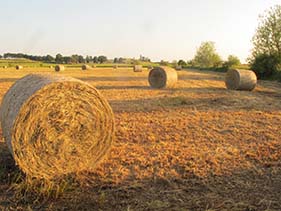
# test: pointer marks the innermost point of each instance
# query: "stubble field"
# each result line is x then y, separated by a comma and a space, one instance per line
195, 147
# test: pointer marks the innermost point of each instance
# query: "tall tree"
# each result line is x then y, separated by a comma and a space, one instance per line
95, 59
232, 61
115, 60
206, 56
49, 59
267, 39
182, 62
59, 58
102, 59
266, 54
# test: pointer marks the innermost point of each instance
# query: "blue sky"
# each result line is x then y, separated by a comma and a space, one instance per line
158, 29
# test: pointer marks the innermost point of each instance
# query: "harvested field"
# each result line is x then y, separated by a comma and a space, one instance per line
198, 146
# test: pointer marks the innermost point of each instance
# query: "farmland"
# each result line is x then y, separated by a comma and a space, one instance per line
198, 146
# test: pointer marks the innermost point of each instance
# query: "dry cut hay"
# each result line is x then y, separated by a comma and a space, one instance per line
86, 67
55, 125
138, 68
59, 68
162, 77
240, 80
18, 67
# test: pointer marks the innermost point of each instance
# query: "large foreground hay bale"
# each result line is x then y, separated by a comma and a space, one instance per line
59, 68
240, 80
18, 67
162, 77
138, 68
85, 67
55, 125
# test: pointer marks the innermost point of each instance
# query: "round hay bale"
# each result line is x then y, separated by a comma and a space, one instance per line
149, 67
162, 77
55, 125
85, 67
51, 66
115, 66
59, 68
138, 68
18, 67
178, 67
5, 67
240, 80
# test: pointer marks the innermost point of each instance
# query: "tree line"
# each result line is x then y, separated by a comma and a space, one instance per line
74, 59
59, 58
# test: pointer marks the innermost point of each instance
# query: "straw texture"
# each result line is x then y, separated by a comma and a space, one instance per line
55, 125
162, 77
18, 67
86, 67
138, 68
240, 80
59, 68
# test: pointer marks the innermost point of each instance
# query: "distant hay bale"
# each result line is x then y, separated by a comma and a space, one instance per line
59, 68
149, 67
86, 67
5, 67
94, 66
178, 67
115, 66
162, 77
55, 125
138, 68
51, 67
18, 67
240, 80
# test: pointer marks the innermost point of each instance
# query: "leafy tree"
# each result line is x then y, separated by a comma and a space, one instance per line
59, 59
266, 65
231, 61
182, 63
81, 59
206, 56
77, 59
121, 60
74, 58
89, 59
95, 59
67, 60
49, 59
164, 63
266, 54
267, 39
115, 60
102, 59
